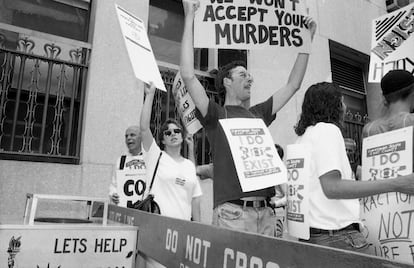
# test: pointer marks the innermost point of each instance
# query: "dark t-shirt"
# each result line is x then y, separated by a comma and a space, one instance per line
226, 183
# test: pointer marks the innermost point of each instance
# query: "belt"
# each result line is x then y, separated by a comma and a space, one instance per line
250, 203
352, 226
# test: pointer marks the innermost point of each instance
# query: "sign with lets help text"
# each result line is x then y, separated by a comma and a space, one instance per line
185, 105
297, 164
131, 186
254, 154
253, 24
389, 217
139, 48
392, 43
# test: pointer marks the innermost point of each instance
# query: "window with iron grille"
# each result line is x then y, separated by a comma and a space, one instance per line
349, 69
43, 70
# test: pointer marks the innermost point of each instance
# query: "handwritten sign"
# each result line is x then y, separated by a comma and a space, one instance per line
297, 164
392, 43
253, 24
67, 246
389, 217
255, 157
185, 105
139, 48
131, 186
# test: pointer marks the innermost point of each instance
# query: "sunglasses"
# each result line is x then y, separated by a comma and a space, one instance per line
169, 132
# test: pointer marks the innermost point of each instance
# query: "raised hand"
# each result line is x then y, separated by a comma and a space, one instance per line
190, 7
149, 88
311, 25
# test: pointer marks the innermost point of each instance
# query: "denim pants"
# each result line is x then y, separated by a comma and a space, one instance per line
346, 239
261, 220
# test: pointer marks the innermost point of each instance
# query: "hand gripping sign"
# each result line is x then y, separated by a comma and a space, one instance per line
297, 163
389, 217
185, 105
139, 48
255, 157
392, 43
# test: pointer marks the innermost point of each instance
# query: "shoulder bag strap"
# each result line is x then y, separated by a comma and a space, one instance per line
122, 162
155, 172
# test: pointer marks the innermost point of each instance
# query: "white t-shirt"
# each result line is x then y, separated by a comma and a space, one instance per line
175, 183
132, 162
328, 153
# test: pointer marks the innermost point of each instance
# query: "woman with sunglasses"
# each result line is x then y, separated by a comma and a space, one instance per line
176, 187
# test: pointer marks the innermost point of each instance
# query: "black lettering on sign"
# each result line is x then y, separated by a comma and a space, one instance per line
70, 245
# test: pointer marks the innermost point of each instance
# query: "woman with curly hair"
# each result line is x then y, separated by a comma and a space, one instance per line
333, 193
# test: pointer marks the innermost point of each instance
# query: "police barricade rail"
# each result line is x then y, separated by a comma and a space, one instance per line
185, 244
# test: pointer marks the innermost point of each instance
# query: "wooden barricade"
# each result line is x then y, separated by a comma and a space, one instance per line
182, 244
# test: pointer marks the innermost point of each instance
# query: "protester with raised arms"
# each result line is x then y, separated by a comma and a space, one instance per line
233, 208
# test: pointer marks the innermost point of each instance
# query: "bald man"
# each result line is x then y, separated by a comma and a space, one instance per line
132, 161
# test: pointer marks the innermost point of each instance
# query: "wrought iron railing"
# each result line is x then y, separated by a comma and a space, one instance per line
41, 101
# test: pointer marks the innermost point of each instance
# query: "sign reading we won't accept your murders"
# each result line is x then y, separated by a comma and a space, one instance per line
251, 24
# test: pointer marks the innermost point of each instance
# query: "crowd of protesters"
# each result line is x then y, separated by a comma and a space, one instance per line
334, 216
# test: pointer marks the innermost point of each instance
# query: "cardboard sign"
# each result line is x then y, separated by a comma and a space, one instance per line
131, 186
242, 24
185, 105
67, 246
392, 43
139, 48
297, 164
389, 217
255, 157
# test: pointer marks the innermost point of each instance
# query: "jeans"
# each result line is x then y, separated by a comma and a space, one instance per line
347, 239
261, 220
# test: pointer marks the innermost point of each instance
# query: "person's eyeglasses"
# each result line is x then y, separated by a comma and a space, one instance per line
169, 132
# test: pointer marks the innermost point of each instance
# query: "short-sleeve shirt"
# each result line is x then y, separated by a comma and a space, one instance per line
328, 153
226, 184
175, 183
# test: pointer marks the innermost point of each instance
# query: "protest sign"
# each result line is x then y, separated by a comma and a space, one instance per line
185, 105
389, 217
131, 186
251, 24
139, 48
297, 164
392, 43
254, 154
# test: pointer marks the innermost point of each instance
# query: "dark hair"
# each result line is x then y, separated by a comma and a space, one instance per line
322, 103
280, 151
225, 71
164, 127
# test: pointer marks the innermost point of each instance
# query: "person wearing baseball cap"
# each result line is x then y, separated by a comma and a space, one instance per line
398, 91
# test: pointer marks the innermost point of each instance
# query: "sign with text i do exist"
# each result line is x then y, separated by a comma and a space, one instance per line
389, 217
298, 168
254, 154
252, 24
139, 48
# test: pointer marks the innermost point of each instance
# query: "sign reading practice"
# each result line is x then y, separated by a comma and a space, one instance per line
392, 43
251, 24
389, 217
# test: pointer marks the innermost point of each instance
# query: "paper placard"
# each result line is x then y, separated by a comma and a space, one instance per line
139, 48
389, 217
255, 24
298, 169
131, 185
185, 105
392, 43
255, 157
